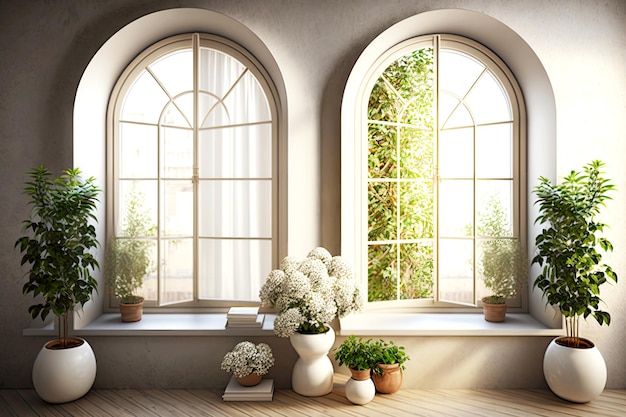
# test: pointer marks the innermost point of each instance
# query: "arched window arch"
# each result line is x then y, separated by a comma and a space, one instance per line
193, 146
438, 150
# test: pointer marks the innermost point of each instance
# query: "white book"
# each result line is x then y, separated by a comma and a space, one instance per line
263, 391
242, 312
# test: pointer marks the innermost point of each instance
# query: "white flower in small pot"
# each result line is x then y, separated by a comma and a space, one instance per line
248, 362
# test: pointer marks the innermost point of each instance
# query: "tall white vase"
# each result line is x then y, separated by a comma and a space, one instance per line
64, 375
574, 374
313, 371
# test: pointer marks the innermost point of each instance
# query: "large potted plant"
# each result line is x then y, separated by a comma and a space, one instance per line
358, 356
57, 245
571, 274
128, 259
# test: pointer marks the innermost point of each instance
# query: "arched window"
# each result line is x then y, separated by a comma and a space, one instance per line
439, 168
192, 152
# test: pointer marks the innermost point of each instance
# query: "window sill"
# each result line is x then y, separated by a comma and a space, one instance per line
443, 324
365, 324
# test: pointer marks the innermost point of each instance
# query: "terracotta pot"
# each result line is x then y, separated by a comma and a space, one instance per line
494, 312
250, 380
131, 312
390, 380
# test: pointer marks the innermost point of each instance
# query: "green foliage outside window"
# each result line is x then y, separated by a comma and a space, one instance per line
400, 186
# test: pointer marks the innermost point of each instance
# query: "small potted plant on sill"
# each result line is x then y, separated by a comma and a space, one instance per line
248, 362
357, 355
128, 259
389, 360
503, 262
58, 246
572, 272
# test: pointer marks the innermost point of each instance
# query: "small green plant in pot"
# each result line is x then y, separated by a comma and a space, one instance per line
389, 359
503, 262
128, 259
58, 244
572, 270
357, 354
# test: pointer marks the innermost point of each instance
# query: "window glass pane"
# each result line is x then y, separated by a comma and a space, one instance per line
220, 258
175, 72
416, 153
382, 211
456, 208
246, 102
417, 210
149, 289
177, 208
456, 153
177, 153
138, 151
494, 205
236, 152
494, 151
235, 209
218, 72
488, 101
177, 271
144, 195
179, 112
456, 277
416, 270
457, 72
144, 101
382, 272
453, 113
382, 156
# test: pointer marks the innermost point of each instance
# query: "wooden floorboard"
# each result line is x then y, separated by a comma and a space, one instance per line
286, 403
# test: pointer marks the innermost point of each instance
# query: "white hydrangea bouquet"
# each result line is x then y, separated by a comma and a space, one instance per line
246, 358
310, 292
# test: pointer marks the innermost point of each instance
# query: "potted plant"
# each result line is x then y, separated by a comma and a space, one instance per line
248, 362
57, 246
358, 356
309, 293
389, 360
571, 274
128, 259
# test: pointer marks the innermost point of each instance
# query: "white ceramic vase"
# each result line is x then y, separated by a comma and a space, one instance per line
360, 388
313, 371
64, 375
574, 374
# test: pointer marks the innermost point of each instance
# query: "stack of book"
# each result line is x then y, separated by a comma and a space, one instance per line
264, 391
246, 317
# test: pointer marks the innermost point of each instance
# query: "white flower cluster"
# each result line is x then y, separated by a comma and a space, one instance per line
310, 292
246, 358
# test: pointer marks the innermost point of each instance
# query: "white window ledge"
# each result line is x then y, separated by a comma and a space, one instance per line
442, 324
366, 324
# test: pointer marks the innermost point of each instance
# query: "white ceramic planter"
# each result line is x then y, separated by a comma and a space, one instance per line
312, 374
360, 388
64, 375
574, 374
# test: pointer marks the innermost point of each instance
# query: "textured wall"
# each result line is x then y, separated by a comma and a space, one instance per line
45, 46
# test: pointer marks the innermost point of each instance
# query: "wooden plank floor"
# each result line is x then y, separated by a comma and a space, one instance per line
286, 403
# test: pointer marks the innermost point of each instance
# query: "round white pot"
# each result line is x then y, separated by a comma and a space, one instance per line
64, 375
576, 374
312, 374
360, 388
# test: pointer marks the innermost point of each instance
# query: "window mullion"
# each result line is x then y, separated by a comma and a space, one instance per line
436, 177
195, 170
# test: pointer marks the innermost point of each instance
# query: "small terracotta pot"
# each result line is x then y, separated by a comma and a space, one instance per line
250, 380
494, 312
360, 375
131, 312
390, 380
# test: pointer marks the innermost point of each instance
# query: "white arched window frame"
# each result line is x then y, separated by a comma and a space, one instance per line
511, 94
196, 114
